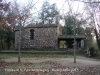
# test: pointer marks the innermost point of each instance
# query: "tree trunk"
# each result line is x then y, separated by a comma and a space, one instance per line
97, 39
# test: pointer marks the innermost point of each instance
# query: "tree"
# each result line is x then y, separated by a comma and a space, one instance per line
48, 13
70, 21
5, 25
9, 38
93, 10
21, 15
88, 40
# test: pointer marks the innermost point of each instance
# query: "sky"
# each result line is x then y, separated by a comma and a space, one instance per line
61, 4
63, 7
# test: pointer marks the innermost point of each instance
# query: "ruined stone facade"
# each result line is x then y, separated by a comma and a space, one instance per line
37, 36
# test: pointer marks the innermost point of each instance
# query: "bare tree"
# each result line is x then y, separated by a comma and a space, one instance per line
93, 8
81, 18
21, 17
74, 18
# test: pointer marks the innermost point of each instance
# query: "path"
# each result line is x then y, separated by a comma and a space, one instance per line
80, 61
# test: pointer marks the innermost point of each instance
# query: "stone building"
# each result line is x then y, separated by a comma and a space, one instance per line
38, 36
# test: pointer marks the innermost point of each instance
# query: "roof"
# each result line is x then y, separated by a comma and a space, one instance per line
71, 37
38, 26
41, 25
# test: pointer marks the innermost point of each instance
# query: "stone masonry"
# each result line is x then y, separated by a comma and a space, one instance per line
45, 36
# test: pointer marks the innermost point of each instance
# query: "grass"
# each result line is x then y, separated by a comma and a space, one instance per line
8, 56
29, 50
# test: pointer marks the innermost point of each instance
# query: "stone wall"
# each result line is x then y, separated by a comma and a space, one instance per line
44, 37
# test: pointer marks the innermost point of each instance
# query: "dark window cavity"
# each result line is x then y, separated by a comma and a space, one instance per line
32, 34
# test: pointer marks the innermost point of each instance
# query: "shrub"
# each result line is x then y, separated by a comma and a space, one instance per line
92, 51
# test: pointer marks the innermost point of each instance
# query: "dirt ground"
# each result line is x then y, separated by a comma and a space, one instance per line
80, 61
50, 66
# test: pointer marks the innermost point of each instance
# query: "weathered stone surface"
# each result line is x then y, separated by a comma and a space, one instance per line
44, 37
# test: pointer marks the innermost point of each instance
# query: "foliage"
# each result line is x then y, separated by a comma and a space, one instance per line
70, 21
92, 11
89, 44
48, 13
9, 38
97, 39
5, 26
93, 51
98, 55
89, 40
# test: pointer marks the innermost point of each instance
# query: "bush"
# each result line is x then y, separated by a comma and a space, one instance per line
98, 55
92, 52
